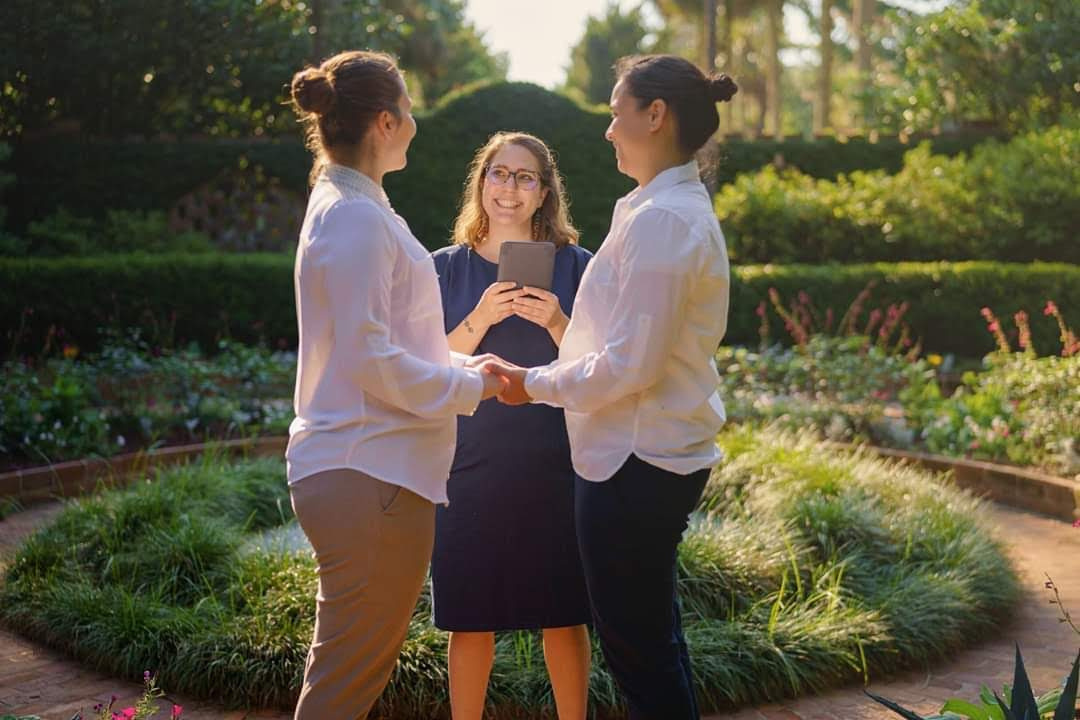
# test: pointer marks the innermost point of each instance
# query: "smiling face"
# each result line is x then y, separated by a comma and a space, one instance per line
401, 134
510, 206
629, 131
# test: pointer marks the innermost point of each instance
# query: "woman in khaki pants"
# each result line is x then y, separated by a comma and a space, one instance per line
377, 388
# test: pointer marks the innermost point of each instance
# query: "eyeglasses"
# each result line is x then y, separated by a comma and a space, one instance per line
523, 179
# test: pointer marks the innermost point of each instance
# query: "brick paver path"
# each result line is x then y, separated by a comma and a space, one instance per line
35, 680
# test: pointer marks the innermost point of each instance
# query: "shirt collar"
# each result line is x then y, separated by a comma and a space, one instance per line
667, 179
356, 181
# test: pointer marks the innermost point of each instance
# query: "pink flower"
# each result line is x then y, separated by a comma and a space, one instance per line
1076, 523
176, 711
1050, 309
986, 313
994, 327
974, 445
760, 312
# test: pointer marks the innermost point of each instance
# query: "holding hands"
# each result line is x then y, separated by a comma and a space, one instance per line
502, 379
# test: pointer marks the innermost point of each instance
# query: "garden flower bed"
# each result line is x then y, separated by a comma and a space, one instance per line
803, 568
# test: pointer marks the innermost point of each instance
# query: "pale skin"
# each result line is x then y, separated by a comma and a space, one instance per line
383, 149
646, 144
567, 650
509, 210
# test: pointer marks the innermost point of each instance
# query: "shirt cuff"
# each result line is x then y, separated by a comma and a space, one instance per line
472, 390
458, 359
539, 385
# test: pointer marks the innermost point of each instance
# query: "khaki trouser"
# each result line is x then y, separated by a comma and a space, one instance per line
372, 543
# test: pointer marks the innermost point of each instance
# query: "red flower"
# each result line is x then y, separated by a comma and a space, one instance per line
1050, 309
176, 711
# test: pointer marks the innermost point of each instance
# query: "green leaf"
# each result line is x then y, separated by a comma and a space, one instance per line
903, 712
969, 710
1023, 698
1009, 715
1066, 706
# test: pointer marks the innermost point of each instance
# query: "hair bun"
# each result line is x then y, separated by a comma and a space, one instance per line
312, 91
722, 88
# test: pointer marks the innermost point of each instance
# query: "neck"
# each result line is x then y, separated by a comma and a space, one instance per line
361, 159
656, 165
497, 235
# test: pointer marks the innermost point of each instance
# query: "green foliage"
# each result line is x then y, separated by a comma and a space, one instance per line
606, 39
843, 386
1008, 62
121, 231
1014, 202
89, 176
790, 575
1017, 702
250, 296
134, 397
127, 68
1020, 409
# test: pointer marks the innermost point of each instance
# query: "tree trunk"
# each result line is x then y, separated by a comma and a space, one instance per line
729, 60
822, 107
709, 61
775, 10
863, 19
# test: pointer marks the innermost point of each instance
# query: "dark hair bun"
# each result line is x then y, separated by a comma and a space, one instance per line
312, 91
722, 88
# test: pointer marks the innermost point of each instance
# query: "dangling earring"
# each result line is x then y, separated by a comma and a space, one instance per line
536, 225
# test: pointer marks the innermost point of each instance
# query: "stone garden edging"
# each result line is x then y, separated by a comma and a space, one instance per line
77, 477
1018, 487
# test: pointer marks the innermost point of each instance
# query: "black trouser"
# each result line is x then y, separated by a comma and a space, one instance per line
629, 529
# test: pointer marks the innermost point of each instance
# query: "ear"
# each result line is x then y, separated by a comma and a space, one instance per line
387, 123
657, 112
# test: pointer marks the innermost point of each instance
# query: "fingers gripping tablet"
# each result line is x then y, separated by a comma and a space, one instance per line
527, 263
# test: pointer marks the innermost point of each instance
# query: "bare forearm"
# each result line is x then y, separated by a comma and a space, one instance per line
466, 337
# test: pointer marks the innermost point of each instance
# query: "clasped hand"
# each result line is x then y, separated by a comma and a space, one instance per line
502, 379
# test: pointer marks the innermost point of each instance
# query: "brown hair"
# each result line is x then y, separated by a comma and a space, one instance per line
339, 100
690, 95
552, 219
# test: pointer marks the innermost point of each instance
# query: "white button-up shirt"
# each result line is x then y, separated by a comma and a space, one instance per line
636, 370
375, 387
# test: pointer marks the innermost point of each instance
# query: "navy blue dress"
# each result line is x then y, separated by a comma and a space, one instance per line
506, 554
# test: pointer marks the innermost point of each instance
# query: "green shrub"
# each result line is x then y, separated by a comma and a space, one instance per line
132, 397
805, 568
176, 299
88, 176
63, 234
1018, 201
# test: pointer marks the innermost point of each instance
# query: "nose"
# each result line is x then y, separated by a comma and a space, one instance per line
607, 133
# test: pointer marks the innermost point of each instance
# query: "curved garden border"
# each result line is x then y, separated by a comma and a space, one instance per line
77, 477
1007, 484
1014, 486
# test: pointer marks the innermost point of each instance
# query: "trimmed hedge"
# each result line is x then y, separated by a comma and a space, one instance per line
88, 177
206, 297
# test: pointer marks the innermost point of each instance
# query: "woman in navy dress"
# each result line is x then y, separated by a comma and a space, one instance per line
506, 555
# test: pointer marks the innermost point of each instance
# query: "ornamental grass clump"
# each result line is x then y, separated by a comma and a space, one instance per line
803, 568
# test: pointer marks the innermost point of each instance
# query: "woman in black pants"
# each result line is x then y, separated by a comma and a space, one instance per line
637, 378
